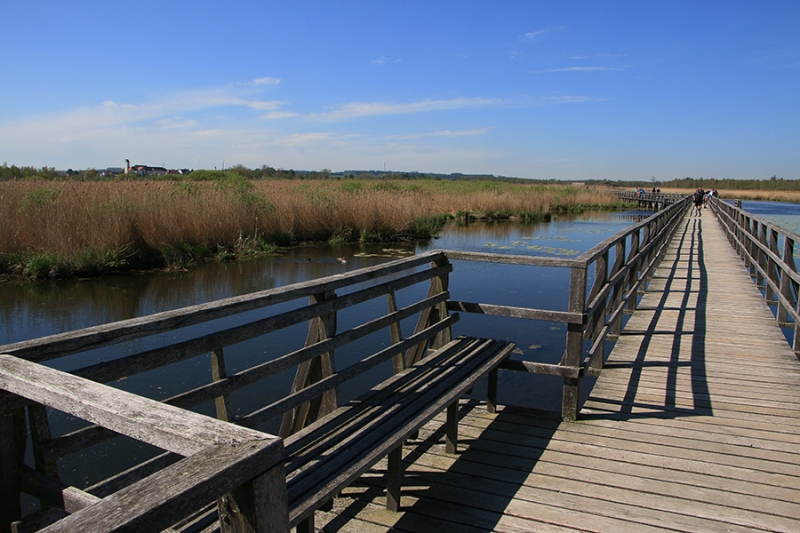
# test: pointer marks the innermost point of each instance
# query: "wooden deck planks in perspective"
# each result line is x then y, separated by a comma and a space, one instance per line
692, 426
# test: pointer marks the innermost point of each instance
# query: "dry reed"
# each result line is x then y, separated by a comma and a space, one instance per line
99, 222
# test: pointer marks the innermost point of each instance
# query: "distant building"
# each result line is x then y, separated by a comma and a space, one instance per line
145, 170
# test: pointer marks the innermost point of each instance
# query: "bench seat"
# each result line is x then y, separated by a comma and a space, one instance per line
331, 453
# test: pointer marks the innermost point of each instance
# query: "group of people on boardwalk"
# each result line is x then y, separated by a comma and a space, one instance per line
700, 199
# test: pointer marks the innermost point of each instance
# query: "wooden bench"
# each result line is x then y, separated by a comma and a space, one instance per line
328, 444
331, 453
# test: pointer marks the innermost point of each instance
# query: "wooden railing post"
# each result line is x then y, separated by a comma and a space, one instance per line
619, 289
574, 349
443, 285
260, 506
222, 403
428, 317
633, 272
741, 230
772, 266
41, 437
786, 281
310, 372
761, 238
752, 249
398, 364
597, 320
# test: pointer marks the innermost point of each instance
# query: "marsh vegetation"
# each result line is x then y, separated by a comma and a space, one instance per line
65, 228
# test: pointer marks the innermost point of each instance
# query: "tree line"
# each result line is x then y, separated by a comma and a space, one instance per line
14, 172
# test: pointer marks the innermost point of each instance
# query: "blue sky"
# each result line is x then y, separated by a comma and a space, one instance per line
565, 90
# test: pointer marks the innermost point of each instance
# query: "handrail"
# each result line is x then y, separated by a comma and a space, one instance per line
223, 458
623, 264
768, 252
604, 283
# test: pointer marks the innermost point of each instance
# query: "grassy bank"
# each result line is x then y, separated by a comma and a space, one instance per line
67, 228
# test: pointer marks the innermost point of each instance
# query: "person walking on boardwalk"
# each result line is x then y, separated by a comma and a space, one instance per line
698, 201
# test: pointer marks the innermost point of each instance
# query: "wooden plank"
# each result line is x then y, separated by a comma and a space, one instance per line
517, 312
167, 496
510, 259
542, 368
164, 426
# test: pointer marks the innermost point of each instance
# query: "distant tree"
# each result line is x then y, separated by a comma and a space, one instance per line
265, 171
242, 171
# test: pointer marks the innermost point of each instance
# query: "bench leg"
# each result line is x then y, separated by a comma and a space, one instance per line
451, 428
394, 476
491, 403
307, 525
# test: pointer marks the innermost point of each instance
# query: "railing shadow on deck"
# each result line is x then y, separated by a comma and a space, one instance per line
690, 271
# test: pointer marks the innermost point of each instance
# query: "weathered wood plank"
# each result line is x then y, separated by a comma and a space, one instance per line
169, 495
164, 426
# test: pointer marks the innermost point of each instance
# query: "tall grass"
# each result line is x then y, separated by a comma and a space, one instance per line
54, 228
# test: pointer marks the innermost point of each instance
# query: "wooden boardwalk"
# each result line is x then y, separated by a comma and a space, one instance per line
693, 426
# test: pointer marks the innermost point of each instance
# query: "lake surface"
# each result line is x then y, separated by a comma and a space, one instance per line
784, 214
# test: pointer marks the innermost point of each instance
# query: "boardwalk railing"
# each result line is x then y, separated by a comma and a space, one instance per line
768, 253
619, 269
650, 200
220, 453
242, 469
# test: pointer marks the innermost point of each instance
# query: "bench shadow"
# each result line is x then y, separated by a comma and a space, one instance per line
473, 491
467, 492
690, 271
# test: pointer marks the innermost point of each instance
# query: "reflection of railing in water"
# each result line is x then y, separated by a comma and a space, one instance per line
768, 252
223, 456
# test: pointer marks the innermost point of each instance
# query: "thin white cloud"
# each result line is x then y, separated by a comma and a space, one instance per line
383, 60
374, 109
113, 114
460, 133
597, 56
175, 123
279, 114
266, 81
444, 133
259, 105
578, 69
532, 35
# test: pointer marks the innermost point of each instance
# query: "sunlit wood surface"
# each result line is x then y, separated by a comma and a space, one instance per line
693, 426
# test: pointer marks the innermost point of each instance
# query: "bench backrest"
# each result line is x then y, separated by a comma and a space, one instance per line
349, 343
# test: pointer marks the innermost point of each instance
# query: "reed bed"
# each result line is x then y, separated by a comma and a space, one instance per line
61, 228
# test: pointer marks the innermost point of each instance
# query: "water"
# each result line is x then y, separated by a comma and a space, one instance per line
31, 310
784, 214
